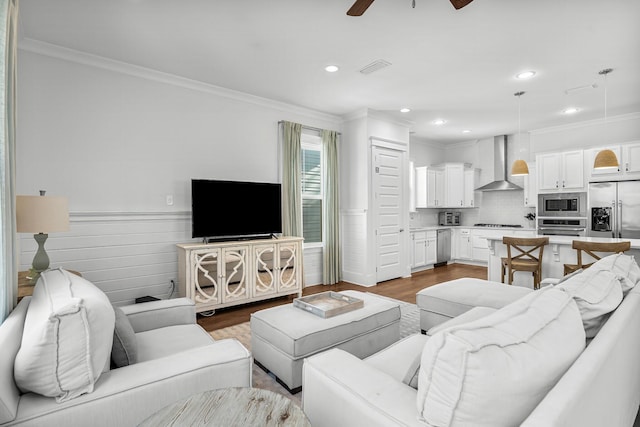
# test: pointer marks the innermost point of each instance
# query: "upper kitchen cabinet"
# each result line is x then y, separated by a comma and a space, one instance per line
558, 172
448, 185
531, 186
470, 177
628, 157
454, 183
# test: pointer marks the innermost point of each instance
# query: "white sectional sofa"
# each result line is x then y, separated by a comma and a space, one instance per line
530, 361
175, 358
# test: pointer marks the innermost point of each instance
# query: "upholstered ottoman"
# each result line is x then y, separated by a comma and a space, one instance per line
281, 337
446, 300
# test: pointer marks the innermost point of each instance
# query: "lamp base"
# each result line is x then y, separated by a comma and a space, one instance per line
41, 259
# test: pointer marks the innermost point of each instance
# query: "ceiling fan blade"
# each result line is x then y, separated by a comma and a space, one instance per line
459, 4
359, 7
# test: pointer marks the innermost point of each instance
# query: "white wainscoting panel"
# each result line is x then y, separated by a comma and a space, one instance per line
127, 255
312, 266
354, 247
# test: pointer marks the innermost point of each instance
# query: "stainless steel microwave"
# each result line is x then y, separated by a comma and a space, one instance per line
562, 204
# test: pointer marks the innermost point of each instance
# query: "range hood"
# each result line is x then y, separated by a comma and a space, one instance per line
500, 182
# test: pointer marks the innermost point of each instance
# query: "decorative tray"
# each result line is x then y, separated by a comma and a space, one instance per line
328, 304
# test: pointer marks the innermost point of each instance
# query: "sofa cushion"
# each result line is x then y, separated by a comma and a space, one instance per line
622, 265
401, 360
67, 338
494, 371
466, 317
162, 342
597, 293
125, 346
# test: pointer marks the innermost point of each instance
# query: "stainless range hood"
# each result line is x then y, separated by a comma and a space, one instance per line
500, 182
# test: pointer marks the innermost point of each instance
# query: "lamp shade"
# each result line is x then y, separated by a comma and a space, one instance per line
42, 214
606, 159
519, 168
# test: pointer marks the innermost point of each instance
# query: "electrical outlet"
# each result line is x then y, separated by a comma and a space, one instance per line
169, 199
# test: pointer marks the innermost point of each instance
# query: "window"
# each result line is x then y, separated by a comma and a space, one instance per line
311, 188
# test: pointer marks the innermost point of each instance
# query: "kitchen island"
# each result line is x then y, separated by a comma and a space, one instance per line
557, 253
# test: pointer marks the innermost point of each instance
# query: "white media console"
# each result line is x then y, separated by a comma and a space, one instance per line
217, 275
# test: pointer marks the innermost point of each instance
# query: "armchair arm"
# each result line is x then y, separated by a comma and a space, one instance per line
340, 389
127, 395
158, 314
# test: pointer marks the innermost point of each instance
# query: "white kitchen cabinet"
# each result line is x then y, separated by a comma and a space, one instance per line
424, 248
454, 185
470, 176
432, 246
435, 188
412, 187
531, 187
464, 244
559, 172
628, 157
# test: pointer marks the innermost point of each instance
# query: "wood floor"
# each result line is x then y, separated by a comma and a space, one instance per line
402, 289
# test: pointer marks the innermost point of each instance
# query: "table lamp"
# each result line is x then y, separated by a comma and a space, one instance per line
41, 215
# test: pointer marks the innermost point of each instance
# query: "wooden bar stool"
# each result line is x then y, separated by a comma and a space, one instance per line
590, 248
524, 259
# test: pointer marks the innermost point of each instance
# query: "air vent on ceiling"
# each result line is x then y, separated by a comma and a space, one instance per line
375, 66
580, 88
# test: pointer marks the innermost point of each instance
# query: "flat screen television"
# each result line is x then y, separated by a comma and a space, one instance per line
229, 210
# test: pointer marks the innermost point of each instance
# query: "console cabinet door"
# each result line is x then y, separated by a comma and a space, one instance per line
289, 276
205, 277
234, 274
265, 270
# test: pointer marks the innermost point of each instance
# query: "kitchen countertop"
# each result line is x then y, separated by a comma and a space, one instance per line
439, 227
567, 240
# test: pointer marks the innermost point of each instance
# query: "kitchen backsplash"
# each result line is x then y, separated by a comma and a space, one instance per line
494, 207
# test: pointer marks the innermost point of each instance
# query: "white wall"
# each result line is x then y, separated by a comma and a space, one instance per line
117, 139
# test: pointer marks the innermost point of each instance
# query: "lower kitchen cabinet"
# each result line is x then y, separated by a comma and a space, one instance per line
424, 248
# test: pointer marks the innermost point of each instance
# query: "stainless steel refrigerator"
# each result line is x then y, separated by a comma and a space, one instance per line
614, 209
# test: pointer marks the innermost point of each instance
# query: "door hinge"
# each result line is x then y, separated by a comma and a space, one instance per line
377, 169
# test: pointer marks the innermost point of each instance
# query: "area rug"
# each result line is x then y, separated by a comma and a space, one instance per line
409, 324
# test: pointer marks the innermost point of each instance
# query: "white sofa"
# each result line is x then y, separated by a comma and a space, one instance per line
176, 358
600, 387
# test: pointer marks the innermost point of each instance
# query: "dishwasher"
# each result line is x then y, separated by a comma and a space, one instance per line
443, 253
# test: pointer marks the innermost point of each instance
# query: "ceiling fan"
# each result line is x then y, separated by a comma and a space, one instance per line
360, 6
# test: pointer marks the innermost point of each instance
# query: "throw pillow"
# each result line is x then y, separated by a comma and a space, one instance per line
597, 293
624, 266
125, 346
67, 337
496, 370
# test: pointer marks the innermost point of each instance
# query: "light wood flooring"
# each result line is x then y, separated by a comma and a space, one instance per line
403, 289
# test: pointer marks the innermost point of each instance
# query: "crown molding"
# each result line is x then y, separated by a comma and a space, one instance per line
594, 122
91, 60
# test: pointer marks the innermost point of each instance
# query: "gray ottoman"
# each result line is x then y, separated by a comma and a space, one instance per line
281, 337
446, 300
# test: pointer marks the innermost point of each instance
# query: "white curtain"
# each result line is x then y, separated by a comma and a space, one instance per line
8, 53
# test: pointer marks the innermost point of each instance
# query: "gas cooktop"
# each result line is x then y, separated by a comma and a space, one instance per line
498, 225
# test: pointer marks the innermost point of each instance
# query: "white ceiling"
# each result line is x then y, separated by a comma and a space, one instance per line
456, 65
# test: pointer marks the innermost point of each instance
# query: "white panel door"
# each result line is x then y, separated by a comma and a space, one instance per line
387, 189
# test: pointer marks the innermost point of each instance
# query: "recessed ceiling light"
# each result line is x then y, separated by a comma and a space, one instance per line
439, 122
570, 110
331, 68
466, 131
525, 75
405, 110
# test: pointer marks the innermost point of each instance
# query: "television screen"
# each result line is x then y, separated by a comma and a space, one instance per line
234, 209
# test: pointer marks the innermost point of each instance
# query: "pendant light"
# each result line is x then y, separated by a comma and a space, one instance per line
605, 159
519, 167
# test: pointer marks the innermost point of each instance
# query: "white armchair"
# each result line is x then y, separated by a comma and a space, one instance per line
176, 358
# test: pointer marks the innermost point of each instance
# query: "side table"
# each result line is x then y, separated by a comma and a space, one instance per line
25, 284
231, 407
